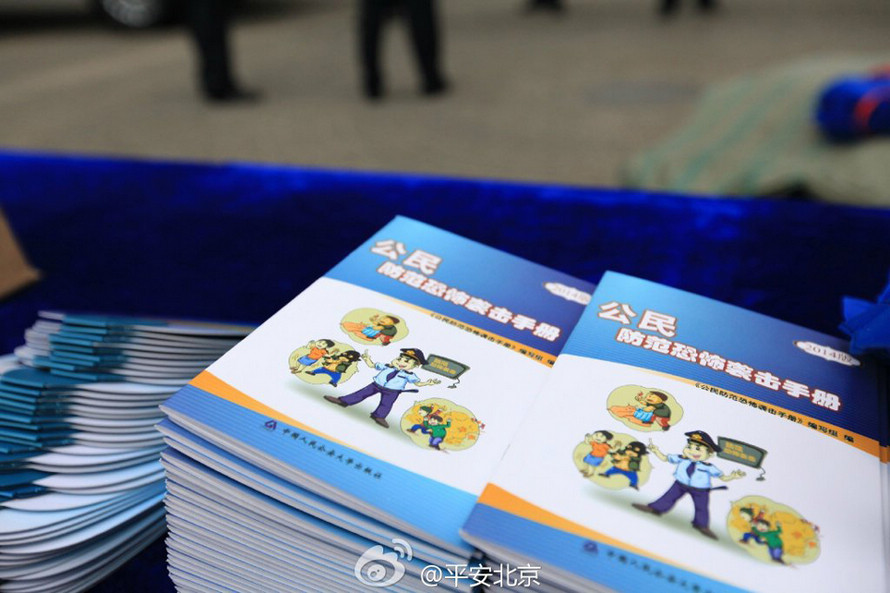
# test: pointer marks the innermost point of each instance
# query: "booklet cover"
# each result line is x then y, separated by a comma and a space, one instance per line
392, 385
682, 444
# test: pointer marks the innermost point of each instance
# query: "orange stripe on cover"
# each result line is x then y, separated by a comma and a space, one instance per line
210, 383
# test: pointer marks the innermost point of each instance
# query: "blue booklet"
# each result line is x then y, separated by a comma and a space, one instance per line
682, 444
385, 394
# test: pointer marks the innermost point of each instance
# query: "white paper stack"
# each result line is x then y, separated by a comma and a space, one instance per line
81, 487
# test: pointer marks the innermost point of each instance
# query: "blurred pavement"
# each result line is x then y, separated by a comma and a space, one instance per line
564, 98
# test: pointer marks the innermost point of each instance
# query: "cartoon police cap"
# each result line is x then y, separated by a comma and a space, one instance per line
414, 353
700, 436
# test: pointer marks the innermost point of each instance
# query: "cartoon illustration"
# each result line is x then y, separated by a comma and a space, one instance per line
323, 362
391, 381
747, 514
441, 424
693, 477
771, 532
651, 408
600, 446
425, 412
432, 425
446, 367
627, 463
335, 365
613, 461
771, 537
310, 354
744, 453
759, 531
373, 326
642, 408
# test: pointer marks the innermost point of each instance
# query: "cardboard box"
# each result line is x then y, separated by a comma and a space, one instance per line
15, 271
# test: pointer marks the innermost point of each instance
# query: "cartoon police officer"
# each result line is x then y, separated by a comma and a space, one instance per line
391, 380
693, 477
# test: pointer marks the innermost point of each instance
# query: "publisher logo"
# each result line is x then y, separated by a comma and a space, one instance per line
828, 353
376, 568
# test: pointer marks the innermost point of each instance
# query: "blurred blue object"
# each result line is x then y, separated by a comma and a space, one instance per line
856, 106
135, 14
868, 324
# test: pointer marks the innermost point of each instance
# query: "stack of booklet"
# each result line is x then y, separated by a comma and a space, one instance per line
81, 487
368, 412
404, 413
682, 444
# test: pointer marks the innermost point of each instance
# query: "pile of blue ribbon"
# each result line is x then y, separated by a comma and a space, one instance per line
855, 107
868, 325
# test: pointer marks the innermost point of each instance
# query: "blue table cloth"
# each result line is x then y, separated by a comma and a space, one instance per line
237, 241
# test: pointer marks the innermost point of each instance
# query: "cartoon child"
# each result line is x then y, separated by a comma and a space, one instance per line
693, 477
599, 448
379, 327
425, 412
627, 463
432, 425
335, 365
391, 381
747, 514
317, 350
771, 537
652, 408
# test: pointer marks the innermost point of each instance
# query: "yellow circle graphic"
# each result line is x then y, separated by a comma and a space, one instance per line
437, 423
324, 362
373, 327
647, 409
606, 459
772, 532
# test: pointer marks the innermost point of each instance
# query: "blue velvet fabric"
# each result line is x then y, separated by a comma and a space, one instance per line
868, 325
237, 241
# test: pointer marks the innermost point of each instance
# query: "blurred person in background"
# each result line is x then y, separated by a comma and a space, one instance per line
209, 24
552, 5
669, 7
423, 24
